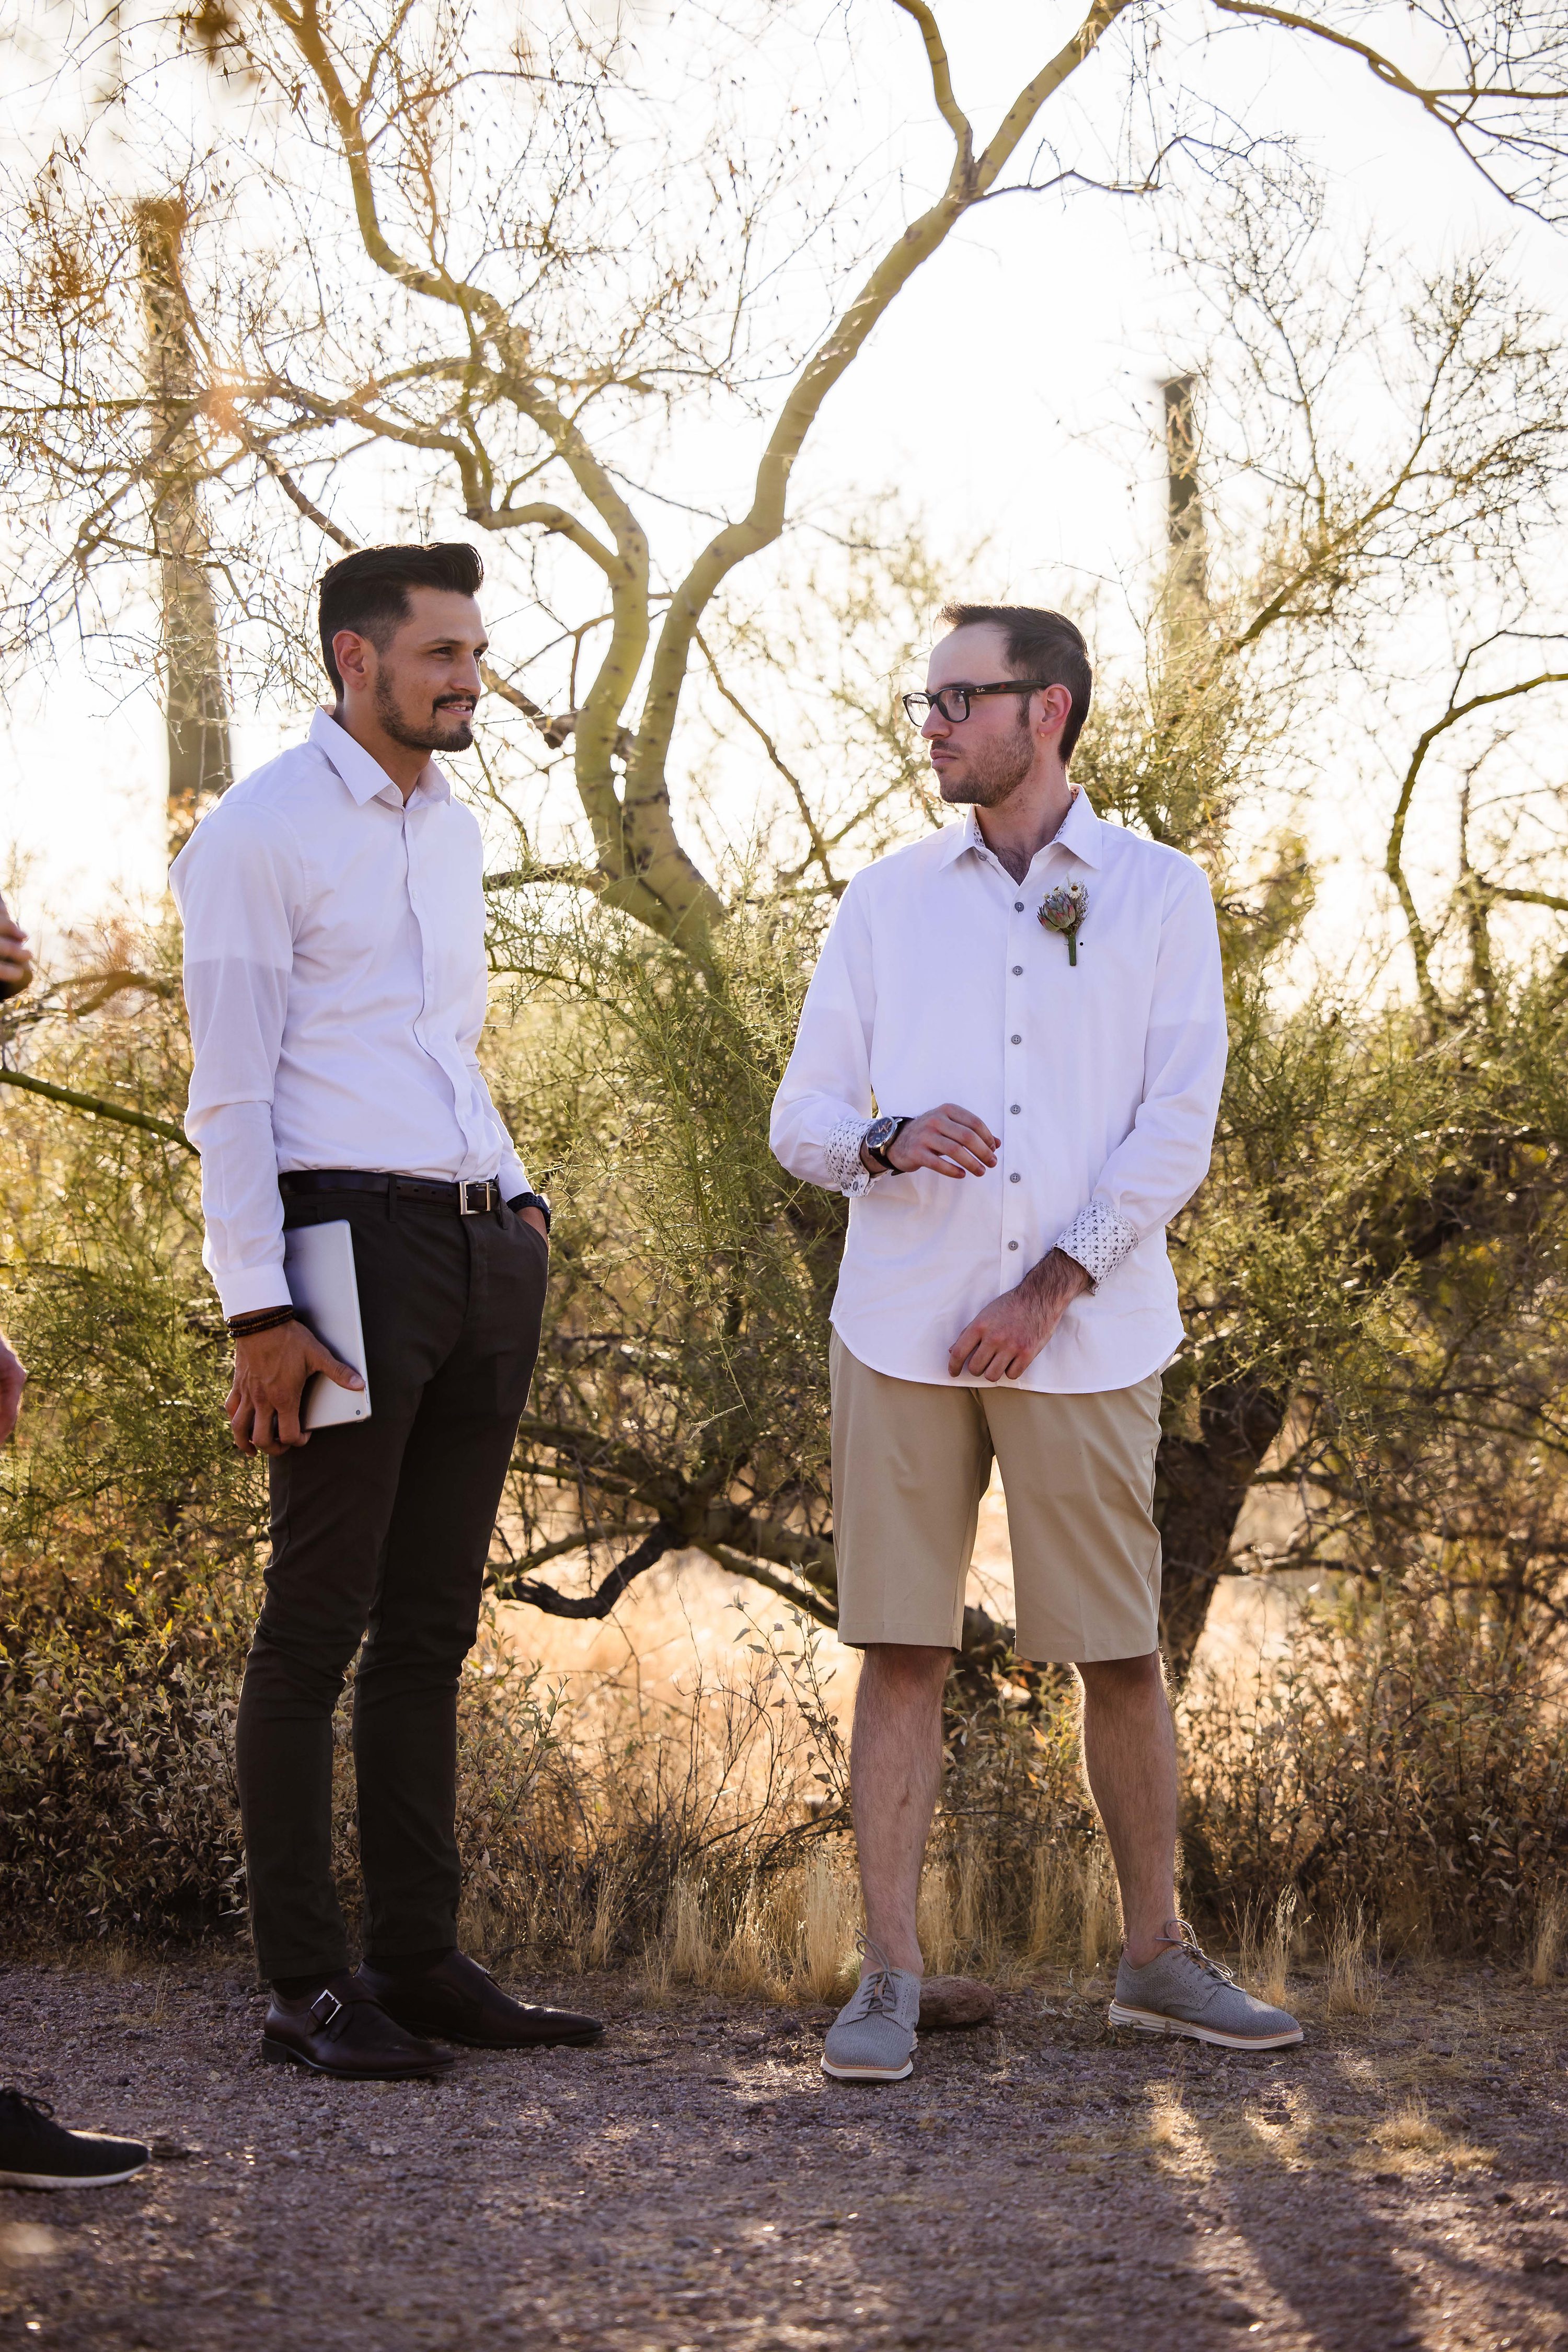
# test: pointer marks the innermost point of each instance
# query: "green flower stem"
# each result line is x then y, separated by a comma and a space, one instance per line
1072, 945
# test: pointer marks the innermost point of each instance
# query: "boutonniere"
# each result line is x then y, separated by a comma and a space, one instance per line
1063, 911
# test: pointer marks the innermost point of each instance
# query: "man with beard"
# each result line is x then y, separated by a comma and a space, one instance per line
335, 979
1005, 1292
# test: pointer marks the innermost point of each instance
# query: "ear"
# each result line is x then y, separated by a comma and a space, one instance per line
353, 656
1055, 710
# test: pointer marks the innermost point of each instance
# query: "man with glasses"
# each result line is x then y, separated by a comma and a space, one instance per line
1005, 1292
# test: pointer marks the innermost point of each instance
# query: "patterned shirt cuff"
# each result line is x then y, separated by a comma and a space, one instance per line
1097, 1240
842, 1153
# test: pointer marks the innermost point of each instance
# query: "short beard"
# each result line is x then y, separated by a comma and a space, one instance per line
455, 735
994, 775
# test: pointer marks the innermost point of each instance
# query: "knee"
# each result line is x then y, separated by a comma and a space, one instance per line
309, 1675
1122, 1680
434, 1652
905, 1670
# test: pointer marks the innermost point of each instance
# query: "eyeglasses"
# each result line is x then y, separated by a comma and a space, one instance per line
951, 702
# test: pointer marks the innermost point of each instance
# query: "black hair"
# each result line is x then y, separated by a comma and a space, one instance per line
368, 591
1040, 645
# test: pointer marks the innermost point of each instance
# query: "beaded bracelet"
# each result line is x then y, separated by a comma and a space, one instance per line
264, 1319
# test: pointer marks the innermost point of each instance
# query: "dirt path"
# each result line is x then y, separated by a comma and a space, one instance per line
696, 2182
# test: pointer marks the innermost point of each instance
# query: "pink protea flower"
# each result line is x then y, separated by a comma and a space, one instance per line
1063, 909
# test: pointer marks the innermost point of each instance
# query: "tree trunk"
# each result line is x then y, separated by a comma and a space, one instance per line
1184, 529
1200, 1485
196, 710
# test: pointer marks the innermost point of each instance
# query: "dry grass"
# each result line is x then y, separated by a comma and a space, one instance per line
1352, 1987
1099, 1915
1550, 1930
788, 1936
1411, 2139
675, 1820
1410, 2130
1267, 1939
934, 1922
829, 1912
1053, 1905
609, 1917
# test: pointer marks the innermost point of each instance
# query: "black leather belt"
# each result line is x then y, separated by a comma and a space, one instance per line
474, 1196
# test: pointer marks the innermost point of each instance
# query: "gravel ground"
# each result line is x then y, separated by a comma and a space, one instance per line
696, 2181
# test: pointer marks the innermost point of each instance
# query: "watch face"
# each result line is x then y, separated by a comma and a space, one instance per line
880, 1131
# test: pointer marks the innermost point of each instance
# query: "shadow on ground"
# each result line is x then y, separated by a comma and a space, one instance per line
696, 2181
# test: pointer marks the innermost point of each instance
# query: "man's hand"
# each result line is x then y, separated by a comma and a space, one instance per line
954, 1142
1004, 1339
13, 1374
15, 958
535, 1217
269, 1375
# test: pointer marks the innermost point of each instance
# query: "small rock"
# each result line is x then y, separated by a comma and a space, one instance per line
950, 2003
26, 2242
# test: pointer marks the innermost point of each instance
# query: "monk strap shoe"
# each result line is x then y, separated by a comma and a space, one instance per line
461, 2001
342, 2030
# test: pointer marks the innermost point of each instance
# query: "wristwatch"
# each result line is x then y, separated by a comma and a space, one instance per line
532, 1200
879, 1134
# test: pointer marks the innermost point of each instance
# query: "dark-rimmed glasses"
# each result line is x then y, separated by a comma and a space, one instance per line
951, 702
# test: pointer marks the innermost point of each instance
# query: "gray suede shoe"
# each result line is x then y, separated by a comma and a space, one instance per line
1182, 1991
872, 2039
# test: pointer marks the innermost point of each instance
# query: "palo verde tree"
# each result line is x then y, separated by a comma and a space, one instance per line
483, 270
432, 274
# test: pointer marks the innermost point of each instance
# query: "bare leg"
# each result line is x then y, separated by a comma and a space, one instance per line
1130, 1751
894, 1774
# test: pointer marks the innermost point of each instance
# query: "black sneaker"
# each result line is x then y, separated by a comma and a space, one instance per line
37, 2153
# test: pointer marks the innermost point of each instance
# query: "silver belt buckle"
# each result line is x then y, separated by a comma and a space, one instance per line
469, 1208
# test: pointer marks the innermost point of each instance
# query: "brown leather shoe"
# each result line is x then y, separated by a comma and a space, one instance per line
462, 2002
342, 2030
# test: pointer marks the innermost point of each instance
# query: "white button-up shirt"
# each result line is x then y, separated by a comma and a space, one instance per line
938, 983
336, 985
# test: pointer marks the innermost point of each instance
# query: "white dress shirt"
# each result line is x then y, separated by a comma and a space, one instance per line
336, 983
938, 983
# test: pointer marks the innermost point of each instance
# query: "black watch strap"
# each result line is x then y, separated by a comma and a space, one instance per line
878, 1151
532, 1200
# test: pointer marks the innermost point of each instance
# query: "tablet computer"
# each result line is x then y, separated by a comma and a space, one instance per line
319, 1268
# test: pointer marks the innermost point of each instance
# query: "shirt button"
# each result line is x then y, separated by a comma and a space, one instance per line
1017, 906
1014, 1107
1017, 970
1015, 1178
1012, 1244
1017, 1039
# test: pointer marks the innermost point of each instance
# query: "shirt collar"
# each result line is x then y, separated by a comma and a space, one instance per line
1078, 832
365, 777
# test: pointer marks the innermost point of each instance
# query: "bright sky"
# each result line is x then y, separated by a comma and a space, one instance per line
1013, 388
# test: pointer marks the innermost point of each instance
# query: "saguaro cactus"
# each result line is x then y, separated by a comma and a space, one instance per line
196, 710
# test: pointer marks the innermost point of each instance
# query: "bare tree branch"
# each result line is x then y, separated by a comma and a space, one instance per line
1455, 106
969, 180
813, 831
801, 1596
659, 1539
296, 495
1393, 867
99, 1107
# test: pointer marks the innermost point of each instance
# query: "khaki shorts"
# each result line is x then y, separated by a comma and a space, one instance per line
911, 1462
